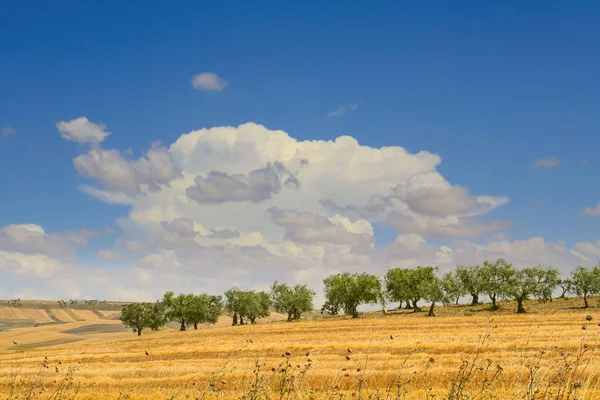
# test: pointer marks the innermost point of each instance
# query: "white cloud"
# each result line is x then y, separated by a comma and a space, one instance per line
7, 131
109, 255
81, 130
243, 206
342, 110
209, 81
120, 177
548, 162
592, 211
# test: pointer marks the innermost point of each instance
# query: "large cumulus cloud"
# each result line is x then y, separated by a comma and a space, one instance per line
243, 206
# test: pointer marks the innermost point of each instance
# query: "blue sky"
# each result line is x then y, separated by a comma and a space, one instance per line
489, 87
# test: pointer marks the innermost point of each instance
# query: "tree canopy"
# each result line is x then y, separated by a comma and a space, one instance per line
406, 284
472, 281
347, 291
140, 316
292, 301
531, 282
494, 279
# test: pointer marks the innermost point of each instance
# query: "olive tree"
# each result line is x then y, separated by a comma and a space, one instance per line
247, 304
139, 316
494, 278
471, 279
586, 282
292, 301
405, 284
347, 291
530, 282
435, 291
566, 285
203, 309
453, 286
178, 308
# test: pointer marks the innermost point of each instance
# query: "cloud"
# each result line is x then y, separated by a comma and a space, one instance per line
430, 194
209, 81
342, 110
548, 162
584, 162
121, 178
259, 185
245, 205
304, 227
109, 255
7, 131
591, 211
82, 131
31, 238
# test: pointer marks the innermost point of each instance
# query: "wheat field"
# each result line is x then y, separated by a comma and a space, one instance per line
548, 353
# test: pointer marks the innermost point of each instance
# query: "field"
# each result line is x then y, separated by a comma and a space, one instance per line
399, 355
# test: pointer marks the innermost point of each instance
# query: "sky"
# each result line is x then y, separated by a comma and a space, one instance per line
193, 147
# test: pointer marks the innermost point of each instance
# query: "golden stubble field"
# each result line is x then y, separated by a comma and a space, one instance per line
401, 355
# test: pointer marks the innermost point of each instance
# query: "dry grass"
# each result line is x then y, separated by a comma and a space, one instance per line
451, 356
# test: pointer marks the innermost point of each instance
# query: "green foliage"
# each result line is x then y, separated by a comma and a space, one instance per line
406, 284
566, 285
453, 287
494, 279
191, 310
204, 309
534, 281
247, 304
292, 301
139, 316
586, 282
471, 279
434, 290
347, 291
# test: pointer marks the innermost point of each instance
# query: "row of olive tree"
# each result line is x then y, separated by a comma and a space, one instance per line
498, 280
191, 310
185, 309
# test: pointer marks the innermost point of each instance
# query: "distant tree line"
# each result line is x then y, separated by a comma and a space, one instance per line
345, 292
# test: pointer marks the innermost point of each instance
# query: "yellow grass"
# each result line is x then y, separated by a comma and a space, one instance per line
425, 356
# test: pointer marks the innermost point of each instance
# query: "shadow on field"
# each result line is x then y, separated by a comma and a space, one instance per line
96, 328
54, 342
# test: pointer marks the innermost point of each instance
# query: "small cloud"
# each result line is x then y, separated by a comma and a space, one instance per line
8, 130
109, 255
591, 211
548, 162
208, 81
81, 130
342, 110
584, 162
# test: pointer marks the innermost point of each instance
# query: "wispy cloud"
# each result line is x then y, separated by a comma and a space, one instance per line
592, 211
548, 162
209, 81
342, 110
584, 162
8, 130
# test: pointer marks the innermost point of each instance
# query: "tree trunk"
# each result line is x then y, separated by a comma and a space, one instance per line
520, 308
252, 320
289, 319
493, 298
354, 312
457, 299
139, 331
235, 319
241, 320
195, 326
182, 328
430, 314
585, 300
475, 299
408, 306
415, 306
